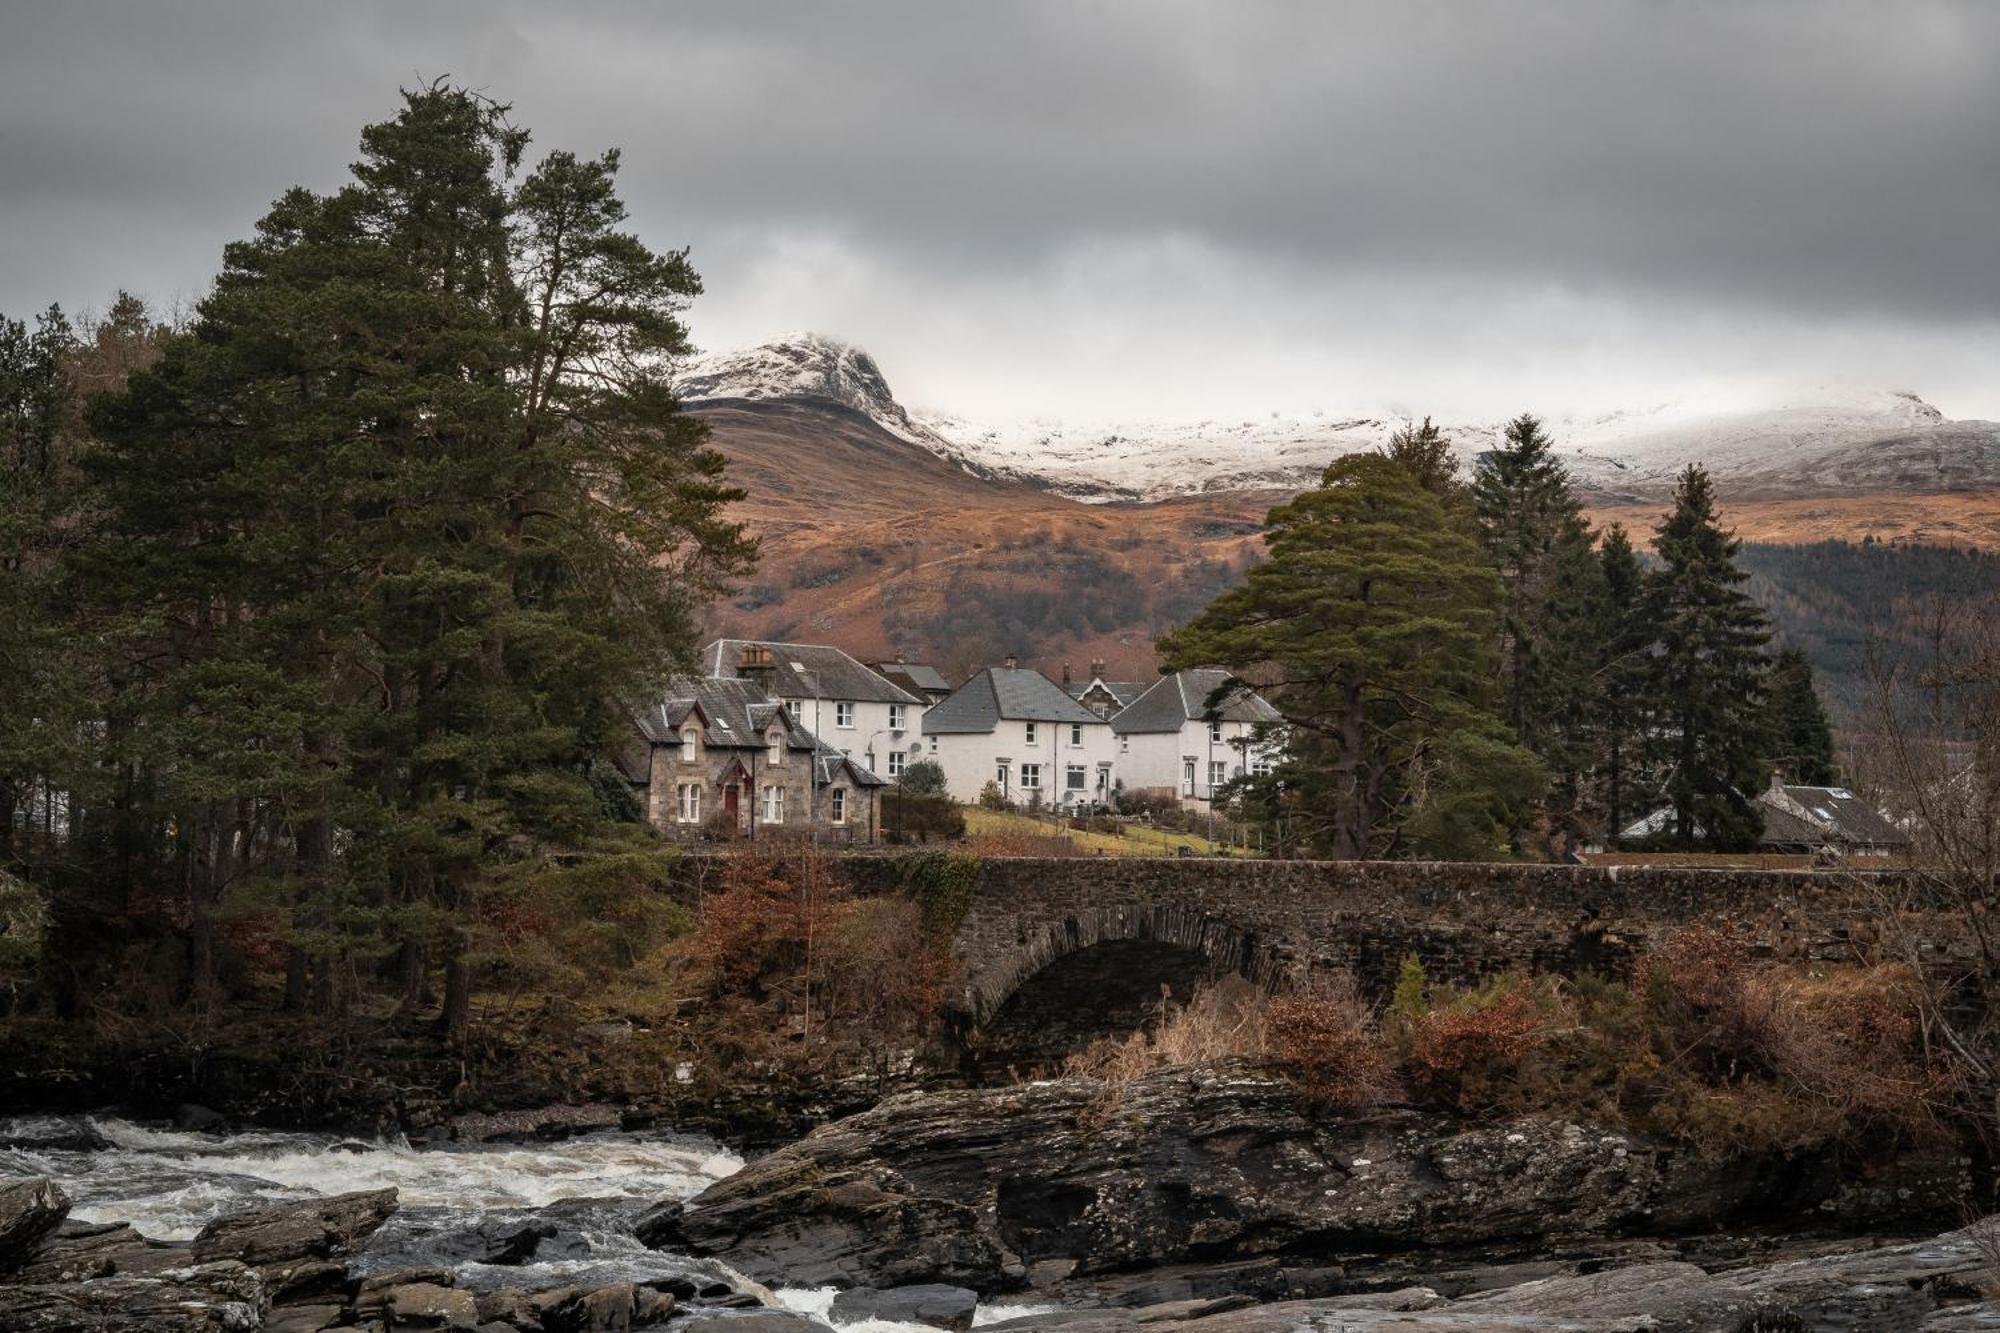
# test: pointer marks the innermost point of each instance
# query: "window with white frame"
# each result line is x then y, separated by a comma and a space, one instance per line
1218, 773
933, 745
1187, 777
1260, 764
1215, 731
838, 810
774, 804
688, 805
1031, 732
795, 708
895, 717
896, 763
690, 741
1031, 777
777, 747
1076, 777
1076, 733
843, 715
1124, 745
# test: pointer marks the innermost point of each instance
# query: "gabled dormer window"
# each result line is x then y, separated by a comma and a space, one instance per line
777, 747
690, 743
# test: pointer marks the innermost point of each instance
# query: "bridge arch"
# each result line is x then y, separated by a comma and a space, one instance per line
1228, 946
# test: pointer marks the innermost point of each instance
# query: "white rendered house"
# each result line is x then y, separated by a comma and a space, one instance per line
1170, 738
1017, 729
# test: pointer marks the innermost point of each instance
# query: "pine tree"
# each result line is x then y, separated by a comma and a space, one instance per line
1705, 678
1370, 628
1425, 453
413, 507
1801, 736
1535, 533
1624, 635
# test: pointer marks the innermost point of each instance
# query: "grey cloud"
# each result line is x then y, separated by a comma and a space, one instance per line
1788, 162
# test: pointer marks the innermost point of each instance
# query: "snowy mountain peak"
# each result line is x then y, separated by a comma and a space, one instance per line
809, 366
1827, 439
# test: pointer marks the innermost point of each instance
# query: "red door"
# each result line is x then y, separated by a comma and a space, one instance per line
729, 802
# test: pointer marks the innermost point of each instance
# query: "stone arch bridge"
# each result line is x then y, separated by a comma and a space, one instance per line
1269, 921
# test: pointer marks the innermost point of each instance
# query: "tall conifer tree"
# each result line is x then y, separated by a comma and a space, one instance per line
1535, 533
1706, 677
1801, 734
1370, 628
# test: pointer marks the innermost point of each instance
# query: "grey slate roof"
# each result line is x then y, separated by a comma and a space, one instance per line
1015, 694
916, 677
1837, 814
1174, 701
808, 671
739, 715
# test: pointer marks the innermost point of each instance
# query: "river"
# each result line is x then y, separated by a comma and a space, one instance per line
460, 1205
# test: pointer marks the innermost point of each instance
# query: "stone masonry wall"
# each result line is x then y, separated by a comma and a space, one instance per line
1271, 920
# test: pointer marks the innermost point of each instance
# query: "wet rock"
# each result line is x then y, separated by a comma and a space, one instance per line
547, 1122
82, 1250
305, 1281
762, 1321
518, 1246
308, 1229
30, 1212
1923, 1285
425, 1305
934, 1304
603, 1310
978, 1188
198, 1119
303, 1319
223, 1297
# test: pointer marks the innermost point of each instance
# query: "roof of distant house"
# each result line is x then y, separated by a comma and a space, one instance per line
1797, 816
1173, 701
1014, 694
916, 677
739, 715
808, 671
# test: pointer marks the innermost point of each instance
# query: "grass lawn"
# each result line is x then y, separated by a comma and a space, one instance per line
1137, 840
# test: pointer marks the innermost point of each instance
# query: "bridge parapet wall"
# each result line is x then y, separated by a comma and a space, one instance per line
1271, 920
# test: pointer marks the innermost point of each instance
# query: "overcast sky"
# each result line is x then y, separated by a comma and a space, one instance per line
1161, 209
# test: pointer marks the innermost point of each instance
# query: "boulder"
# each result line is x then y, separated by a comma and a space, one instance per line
308, 1229
603, 1310
980, 1187
30, 1212
425, 1305
221, 1297
931, 1303
758, 1321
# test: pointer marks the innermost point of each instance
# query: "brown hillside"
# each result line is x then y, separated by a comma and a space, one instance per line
879, 545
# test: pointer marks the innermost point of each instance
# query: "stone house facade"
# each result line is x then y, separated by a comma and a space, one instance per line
718, 757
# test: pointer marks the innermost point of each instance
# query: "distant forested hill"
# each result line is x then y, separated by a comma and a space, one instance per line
1829, 598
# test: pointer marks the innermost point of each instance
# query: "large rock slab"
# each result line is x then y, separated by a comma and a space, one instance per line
30, 1212
308, 1229
979, 1188
1932, 1285
932, 1304
223, 1297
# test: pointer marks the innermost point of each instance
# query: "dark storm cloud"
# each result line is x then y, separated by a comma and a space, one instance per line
1790, 165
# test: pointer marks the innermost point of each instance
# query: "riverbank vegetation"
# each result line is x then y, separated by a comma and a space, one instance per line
1703, 1046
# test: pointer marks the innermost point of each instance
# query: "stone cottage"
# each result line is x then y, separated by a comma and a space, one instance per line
719, 757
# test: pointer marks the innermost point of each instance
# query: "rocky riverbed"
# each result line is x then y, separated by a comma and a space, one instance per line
1208, 1201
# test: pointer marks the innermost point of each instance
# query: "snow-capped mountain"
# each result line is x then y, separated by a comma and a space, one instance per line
1827, 442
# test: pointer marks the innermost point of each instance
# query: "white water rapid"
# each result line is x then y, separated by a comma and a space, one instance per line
460, 1206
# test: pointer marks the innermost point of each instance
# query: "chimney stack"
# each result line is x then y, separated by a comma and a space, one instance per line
756, 666
1011, 662
1097, 668
1066, 673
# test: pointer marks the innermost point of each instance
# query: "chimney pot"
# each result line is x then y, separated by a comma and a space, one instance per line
1097, 668
1066, 679
1011, 662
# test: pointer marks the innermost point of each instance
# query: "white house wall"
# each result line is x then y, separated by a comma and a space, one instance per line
870, 739
1156, 760
970, 761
